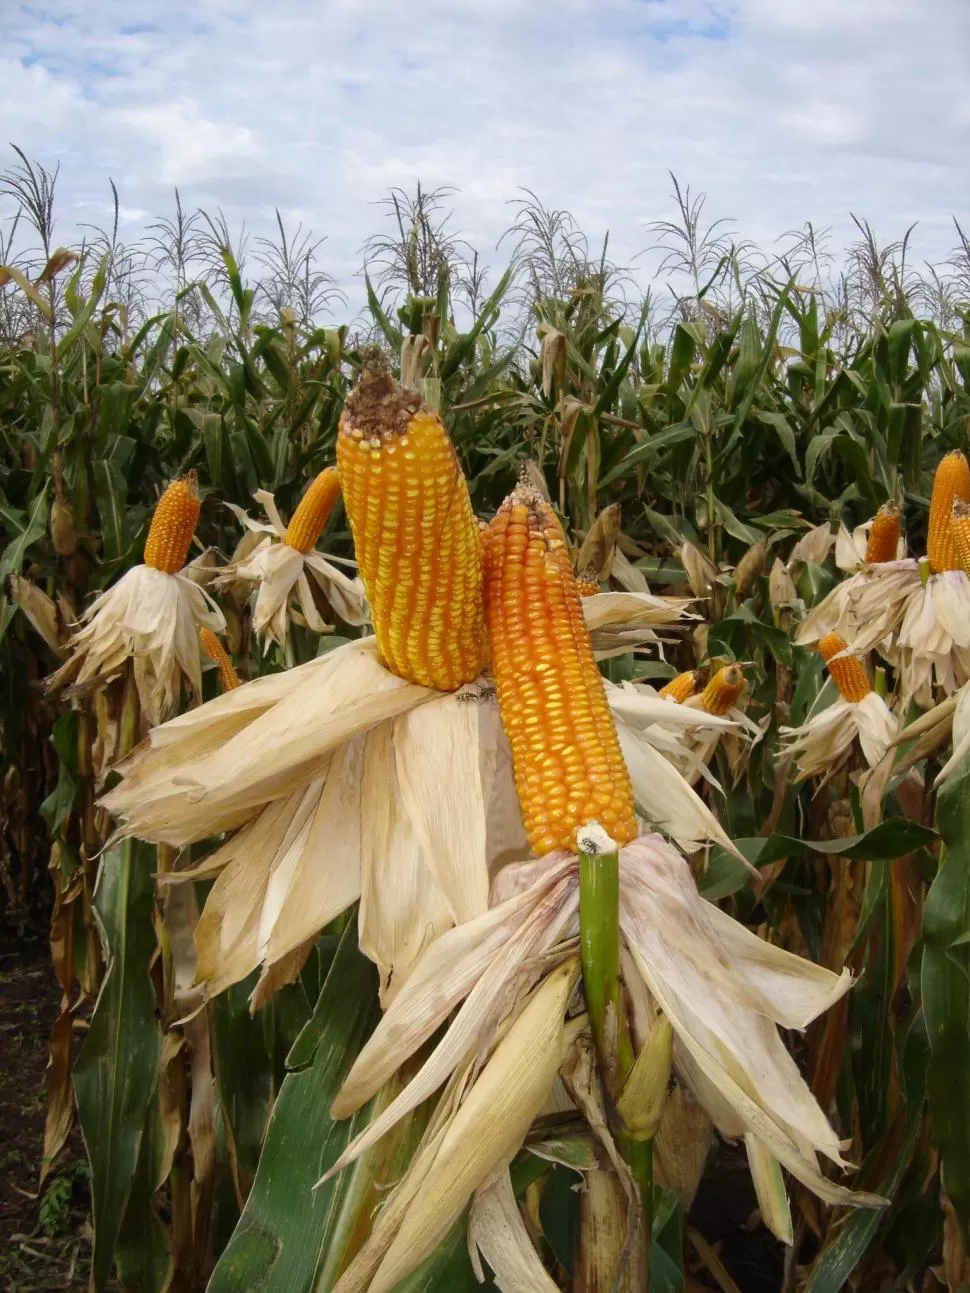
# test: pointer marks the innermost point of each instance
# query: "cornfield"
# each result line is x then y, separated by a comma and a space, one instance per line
494, 774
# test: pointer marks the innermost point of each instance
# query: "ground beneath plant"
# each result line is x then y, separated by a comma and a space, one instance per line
45, 1240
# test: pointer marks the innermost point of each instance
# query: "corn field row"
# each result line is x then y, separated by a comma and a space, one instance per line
486, 765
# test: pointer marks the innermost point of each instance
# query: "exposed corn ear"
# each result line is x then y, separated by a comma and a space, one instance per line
960, 535
883, 540
228, 678
679, 688
415, 536
952, 481
173, 524
565, 752
847, 672
313, 513
723, 690
588, 587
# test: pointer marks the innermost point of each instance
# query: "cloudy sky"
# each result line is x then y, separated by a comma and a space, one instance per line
782, 111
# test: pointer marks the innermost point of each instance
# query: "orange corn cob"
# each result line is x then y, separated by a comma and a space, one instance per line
723, 690
587, 587
307, 522
228, 678
952, 481
679, 688
960, 535
883, 535
173, 524
566, 756
415, 536
848, 672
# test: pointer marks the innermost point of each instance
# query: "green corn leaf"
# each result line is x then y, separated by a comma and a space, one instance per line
893, 838
945, 982
292, 1238
116, 1073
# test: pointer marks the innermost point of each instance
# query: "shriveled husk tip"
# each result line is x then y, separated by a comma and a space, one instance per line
485, 1132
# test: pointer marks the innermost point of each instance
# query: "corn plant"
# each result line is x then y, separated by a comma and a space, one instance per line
369, 962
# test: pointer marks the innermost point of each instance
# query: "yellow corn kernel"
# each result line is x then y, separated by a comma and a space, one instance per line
952, 481
173, 524
313, 513
566, 756
415, 536
228, 678
883, 541
588, 587
847, 672
723, 690
960, 535
679, 688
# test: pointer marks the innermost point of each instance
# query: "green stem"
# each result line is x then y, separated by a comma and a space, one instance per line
599, 927
599, 933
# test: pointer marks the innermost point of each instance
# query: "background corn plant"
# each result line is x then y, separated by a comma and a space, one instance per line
741, 402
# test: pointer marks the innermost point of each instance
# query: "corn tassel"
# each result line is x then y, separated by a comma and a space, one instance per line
952, 481
313, 513
960, 535
679, 688
415, 536
723, 690
847, 672
883, 541
565, 753
228, 678
173, 525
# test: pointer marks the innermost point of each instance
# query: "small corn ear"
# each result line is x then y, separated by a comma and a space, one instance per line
722, 691
228, 678
960, 535
883, 541
173, 525
951, 481
313, 512
679, 688
846, 671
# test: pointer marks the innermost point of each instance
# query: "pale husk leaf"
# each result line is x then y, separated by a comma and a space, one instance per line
497, 1231
485, 963
488, 1127
402, 909
665, 798
437, 761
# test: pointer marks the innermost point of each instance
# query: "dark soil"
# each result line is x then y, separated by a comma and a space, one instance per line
45, 1240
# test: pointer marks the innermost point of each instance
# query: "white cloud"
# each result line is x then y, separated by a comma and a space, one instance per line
782, 111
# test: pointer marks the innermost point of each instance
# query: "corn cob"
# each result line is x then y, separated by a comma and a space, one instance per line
228, 678
722, 691
587, 585
679, 688
565, 753
960, 535
847, 672
415, 536
313, 513
952, 481
173, 524
883, 542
